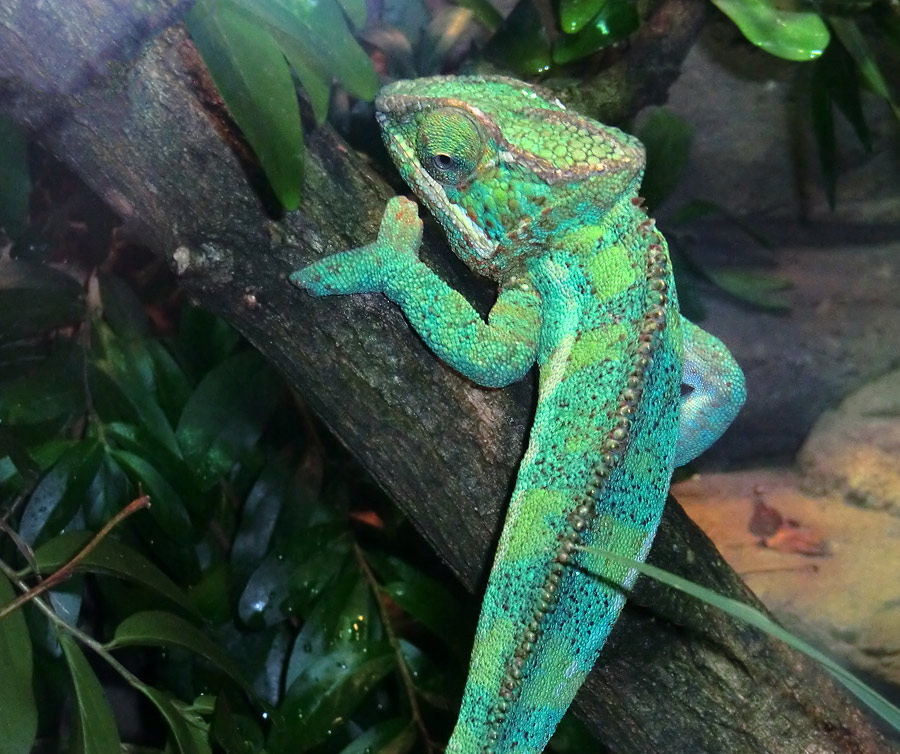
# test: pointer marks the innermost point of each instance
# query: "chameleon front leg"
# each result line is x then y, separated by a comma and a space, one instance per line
715, 394
493, 353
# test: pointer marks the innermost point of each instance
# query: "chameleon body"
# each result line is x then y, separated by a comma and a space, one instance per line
545, 202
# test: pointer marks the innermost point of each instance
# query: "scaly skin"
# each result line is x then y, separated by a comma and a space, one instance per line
545, 202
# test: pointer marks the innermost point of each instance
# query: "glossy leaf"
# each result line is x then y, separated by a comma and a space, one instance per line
521, 42
35, 298
166, 505
164, 629
782, 29
575, 14
430, 682
60, 493
395, 736
226, 414
346, 613
318, 27
667, 139
109, 557
615, 21
190, 737
95, 729
426, 600
328, 689
250, 73
123, 386
293, 575
236, 733
15, 179
18, 711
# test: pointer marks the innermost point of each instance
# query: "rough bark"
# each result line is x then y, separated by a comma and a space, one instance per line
132, 114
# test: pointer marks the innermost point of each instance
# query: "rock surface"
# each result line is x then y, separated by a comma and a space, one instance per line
854, 450
830, 572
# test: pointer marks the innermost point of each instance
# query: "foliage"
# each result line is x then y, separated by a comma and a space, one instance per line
170, 532
252, 47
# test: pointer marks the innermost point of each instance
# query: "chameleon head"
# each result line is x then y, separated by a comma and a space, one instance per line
502, 164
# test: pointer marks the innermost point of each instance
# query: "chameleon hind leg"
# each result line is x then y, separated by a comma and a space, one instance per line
714, 392
493, 353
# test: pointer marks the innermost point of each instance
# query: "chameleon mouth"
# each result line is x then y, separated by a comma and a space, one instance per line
430, 191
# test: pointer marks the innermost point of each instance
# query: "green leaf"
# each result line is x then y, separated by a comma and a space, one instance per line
852, 38
188, 731
237, 734
426, 600
35, 298
166, 505
250, 73
52, 390
575, 14
61, 492
521, 42
750, 615
202, 342
316, 80
757, 288
173, 387
123, 385
328, 689
96, 731
395, 736
780, 28
226, 414
838, 73
316, 30
109, 558
615, 21
667, 139
346, 613
164, 629
18, 711
823, 128
355, 10
15, 179
293, 574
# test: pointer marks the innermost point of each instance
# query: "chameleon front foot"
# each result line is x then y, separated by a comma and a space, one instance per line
369, 268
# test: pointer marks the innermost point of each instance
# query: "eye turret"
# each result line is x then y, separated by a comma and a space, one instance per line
449, 145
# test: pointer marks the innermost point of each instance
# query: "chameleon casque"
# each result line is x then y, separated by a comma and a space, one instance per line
545, 202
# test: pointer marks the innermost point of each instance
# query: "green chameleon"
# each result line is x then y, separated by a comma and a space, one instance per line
545, 202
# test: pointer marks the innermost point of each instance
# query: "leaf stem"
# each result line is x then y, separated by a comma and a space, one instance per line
405, 676
66, 571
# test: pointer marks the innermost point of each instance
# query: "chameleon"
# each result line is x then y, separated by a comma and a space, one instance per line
545, 202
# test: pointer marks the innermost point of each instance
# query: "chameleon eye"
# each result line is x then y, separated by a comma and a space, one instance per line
449, 144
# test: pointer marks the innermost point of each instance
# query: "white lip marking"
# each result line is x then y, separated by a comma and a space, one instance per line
433, 194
